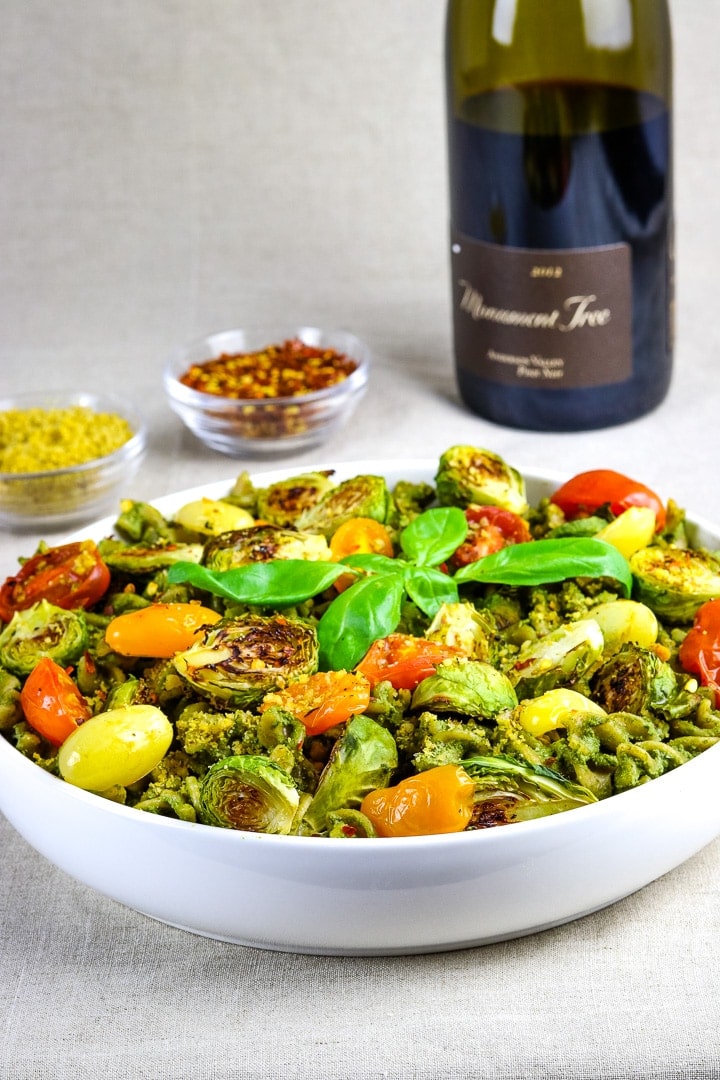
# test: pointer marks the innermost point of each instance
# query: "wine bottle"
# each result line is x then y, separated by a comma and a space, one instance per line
561, 208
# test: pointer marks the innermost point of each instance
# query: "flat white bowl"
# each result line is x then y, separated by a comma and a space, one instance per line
370, 896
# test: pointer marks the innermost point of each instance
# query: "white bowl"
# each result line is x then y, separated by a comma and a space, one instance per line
257, 427
371, 896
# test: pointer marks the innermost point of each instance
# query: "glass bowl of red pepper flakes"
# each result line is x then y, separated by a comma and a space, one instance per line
255, 392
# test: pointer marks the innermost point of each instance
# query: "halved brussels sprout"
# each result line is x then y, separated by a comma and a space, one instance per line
138, 559
250, 793
634, 680
363, 759
42, 630
260, 543
463, 627
239, 660
283, 503
468, 474
142, 522
674, 582
557, 659
468, 687
508, 791
361, 496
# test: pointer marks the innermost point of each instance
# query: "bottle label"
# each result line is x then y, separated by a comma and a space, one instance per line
542, 318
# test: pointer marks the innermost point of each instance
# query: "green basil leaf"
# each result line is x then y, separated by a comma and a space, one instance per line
369, 609
277, 583
434, 535
430, 588
375, 564
539, 562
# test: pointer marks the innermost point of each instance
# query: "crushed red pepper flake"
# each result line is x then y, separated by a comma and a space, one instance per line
277, 371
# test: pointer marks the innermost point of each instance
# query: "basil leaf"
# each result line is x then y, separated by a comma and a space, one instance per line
429, 588
376, 564
434, 535
539, 562
369, 609
277, 583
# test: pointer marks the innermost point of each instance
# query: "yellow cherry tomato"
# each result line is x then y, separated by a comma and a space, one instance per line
553, 709
158, 630
357, 536
624, 621
631, 531
116, 747
213, 516
439, 800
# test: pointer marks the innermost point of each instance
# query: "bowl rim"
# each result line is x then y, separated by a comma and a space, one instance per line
130, 449
353, 382
561, 822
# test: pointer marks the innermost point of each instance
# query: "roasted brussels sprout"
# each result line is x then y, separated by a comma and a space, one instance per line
363, 759
42, 630
674, 582
410, 500
463, 627
283, 503
508, 791
248, 792
10, 712
239, 660
557, 659
142, 523
138, 559
467, 474
467, 687
634, 680
260, 543
361, 496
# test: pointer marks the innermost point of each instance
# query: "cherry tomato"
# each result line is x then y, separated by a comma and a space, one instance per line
51, 702
490, 529
403, 660
359, 536
69, 576
588, 491
324, 699
117, 747
700, 650
439, 800
158, 630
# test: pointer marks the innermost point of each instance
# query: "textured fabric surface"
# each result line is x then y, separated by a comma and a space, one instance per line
173, 167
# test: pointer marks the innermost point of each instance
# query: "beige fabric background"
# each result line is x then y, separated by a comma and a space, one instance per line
172, 167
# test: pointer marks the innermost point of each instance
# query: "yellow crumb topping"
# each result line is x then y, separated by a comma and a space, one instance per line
34, 440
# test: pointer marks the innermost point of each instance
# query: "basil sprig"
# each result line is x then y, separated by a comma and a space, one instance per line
371, 607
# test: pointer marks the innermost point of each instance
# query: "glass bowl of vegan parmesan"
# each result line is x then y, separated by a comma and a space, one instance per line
65, 456
263, 392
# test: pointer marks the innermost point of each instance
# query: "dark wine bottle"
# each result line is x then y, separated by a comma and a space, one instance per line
561, 208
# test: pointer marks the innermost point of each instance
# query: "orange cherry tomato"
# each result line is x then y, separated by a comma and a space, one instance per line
700, 650
439, 800
51, 702
491, 528
403, 660
158, 630
69, 576
359, 536
588, 491
323, 700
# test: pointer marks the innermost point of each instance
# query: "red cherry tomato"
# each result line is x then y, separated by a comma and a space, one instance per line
324, 699
439, 800
700, 650
51, 702
588, 491
403, 660
69, 576
490, 529
158, 630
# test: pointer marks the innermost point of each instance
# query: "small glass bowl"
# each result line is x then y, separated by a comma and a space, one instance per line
266, 426
59, 497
